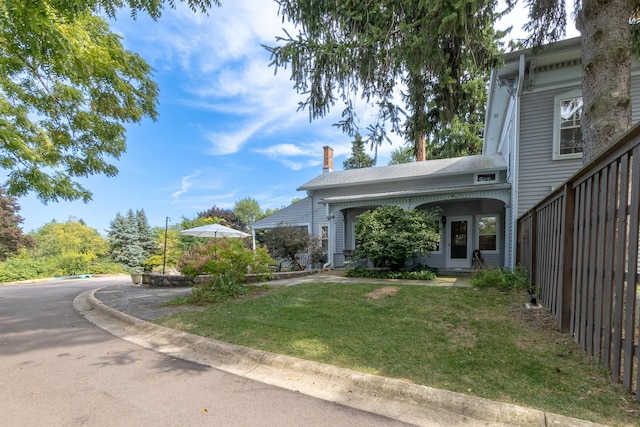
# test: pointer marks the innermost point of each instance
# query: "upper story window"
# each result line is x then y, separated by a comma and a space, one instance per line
567, 141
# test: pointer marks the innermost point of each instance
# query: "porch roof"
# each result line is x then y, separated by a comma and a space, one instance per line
405, 171
481, 190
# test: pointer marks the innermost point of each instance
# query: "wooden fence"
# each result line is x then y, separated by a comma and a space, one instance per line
580, 247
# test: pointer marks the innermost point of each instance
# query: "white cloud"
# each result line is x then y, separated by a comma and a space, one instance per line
230, 142
185, 184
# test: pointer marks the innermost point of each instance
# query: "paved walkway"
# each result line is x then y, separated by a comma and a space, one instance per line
124, 309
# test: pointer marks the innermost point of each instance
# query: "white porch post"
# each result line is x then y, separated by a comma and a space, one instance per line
331, 247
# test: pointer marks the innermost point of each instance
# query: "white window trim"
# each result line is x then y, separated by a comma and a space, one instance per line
442, 229
576, 93
477, 233
320, 235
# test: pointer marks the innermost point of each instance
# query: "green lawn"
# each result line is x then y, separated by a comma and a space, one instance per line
480, 342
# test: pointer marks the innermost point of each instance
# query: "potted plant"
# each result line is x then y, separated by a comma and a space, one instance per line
136, 275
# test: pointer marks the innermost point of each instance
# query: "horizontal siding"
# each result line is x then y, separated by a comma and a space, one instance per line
635, 96
296, 214
539, 173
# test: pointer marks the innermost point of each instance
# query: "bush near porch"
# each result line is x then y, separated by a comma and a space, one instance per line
388, 235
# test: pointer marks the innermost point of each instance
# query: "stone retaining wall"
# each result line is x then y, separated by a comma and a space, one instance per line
157, 280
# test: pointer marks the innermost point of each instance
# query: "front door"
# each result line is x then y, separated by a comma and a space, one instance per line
458, 242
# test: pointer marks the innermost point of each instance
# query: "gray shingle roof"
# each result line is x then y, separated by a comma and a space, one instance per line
439, 167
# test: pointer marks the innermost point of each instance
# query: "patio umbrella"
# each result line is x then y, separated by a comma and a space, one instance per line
214, 230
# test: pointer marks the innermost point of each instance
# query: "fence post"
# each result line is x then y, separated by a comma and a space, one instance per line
534, 250
567, 255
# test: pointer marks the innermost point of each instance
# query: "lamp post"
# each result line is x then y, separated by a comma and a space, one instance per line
164, 254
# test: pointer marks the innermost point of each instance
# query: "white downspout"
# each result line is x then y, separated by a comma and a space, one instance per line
516, 165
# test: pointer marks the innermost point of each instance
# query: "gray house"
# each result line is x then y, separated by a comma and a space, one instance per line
532, 143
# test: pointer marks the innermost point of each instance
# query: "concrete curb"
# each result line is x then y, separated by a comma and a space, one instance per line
400, 400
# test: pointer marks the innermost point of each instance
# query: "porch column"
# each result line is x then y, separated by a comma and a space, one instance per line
331, 247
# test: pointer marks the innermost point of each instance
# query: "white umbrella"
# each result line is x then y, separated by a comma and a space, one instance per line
214, 230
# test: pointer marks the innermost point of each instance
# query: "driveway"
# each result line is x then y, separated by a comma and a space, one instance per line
58, 369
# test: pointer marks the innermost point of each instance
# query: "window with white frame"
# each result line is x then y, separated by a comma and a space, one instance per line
324, 238
567, 141
488, 236
441, 230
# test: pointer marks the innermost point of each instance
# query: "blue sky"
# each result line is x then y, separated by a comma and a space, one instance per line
228, 128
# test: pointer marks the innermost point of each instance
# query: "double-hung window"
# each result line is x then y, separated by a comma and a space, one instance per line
567, 141
324, 238
488, 233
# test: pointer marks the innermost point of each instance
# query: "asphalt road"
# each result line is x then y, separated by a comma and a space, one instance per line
58, 369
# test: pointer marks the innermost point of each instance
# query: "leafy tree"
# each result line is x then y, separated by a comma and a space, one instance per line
606, 36
293, 244
270, 211
67, 89
69, 248
438, 53
127, 243
388, 235
174, 249
359, 159
247, 211
404, 154
11, 237
222, 216
187, 242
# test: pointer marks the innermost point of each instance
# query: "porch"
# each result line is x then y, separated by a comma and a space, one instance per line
466, 226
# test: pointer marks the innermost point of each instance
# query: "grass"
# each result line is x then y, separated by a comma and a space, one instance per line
481, 342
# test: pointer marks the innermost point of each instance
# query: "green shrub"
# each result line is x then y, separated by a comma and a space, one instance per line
218, 289
426, 274
22, 267
105, 266
494, 277
388, 235
224, 257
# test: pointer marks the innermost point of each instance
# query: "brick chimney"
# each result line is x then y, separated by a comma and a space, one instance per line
328, 159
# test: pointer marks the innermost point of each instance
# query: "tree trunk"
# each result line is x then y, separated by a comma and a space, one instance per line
421, 151
606, 66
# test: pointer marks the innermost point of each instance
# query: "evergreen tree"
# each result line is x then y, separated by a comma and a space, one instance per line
146, 235
129, 240
359, 159
439, 53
